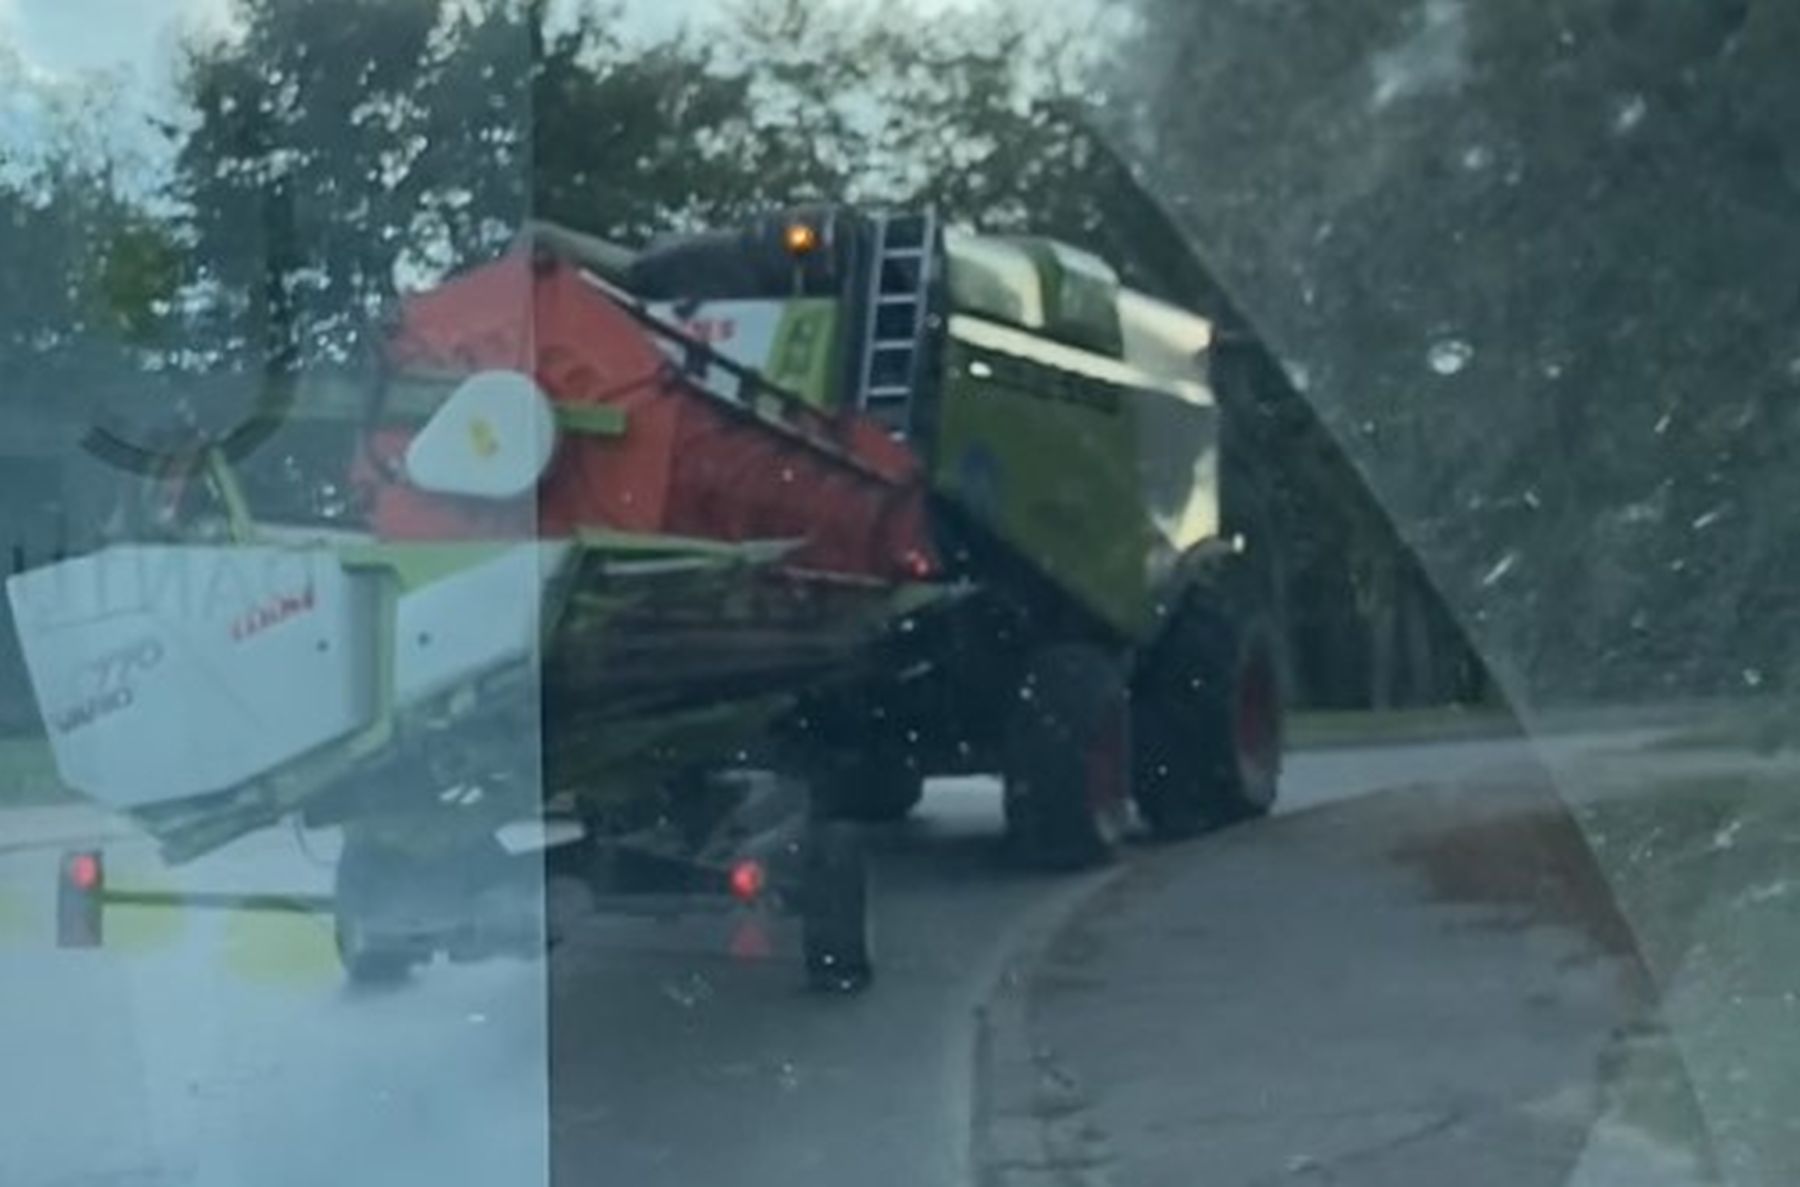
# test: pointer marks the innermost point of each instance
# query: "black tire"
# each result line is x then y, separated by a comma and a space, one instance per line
368, 966
880, 790
363, 870
835, 924
1207, 718
1066, 759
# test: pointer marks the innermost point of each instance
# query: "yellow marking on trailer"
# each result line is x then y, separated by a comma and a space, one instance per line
482, 438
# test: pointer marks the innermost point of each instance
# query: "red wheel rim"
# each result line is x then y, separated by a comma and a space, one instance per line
1108, 780
1256, 722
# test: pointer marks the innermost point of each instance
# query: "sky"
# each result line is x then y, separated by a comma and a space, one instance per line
68, 36
78, 35
60, 45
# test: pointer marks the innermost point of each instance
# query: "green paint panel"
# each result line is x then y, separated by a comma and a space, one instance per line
416, 565
1047, 460
595, 420
803, 357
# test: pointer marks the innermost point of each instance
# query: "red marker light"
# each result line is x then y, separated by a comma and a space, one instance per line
748, 878
918, 566
84, 871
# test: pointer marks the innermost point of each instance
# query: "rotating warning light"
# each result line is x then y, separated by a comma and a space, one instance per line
801, 239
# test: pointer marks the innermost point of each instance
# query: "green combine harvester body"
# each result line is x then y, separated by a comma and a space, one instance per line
855, 499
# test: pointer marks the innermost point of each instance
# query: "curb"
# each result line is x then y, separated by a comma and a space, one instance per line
1027, 1124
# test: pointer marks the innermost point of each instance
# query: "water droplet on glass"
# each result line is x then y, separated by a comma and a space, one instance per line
1628, 113
1663, 423
1767, 892
1450, 355
1502, 567
690, 991
1753, 677
1299, 376
787, 1075
1477, 157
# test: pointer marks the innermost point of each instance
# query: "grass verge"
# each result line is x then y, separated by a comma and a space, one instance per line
1321, 728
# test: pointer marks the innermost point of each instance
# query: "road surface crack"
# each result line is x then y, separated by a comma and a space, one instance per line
1326, 1170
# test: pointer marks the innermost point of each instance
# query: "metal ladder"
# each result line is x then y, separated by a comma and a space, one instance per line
899, 302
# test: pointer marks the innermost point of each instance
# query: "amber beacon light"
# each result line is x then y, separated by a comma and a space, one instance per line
801, 239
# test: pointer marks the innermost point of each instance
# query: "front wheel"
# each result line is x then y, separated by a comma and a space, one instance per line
1066, 758
1207, 719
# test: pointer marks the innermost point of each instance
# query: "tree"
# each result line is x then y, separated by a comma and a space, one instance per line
630, 141
1534, 263
342, 150
300, 180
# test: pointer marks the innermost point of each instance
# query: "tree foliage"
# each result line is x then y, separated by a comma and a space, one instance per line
1535, 266
331, 154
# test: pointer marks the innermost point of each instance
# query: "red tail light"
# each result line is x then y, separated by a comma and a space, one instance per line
84, 871
80, 893
748, 879
916, 564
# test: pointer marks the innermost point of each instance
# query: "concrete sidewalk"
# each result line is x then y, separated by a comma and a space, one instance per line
1422, 987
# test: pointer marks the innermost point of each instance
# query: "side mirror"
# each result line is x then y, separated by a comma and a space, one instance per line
492, 439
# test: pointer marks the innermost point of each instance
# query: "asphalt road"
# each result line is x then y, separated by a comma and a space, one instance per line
218, 1050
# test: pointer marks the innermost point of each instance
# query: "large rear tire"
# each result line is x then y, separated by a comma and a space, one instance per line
1067, 759
1207, 718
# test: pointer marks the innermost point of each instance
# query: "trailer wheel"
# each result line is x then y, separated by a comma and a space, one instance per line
1066, 759
364, 869
1207, 720
368, 965
835, 926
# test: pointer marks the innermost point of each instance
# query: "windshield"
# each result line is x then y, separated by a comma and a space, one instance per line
954, 592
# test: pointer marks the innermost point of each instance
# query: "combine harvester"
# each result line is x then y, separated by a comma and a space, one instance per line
853, 499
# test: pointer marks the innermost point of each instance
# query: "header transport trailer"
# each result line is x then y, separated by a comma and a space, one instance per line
852, 497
